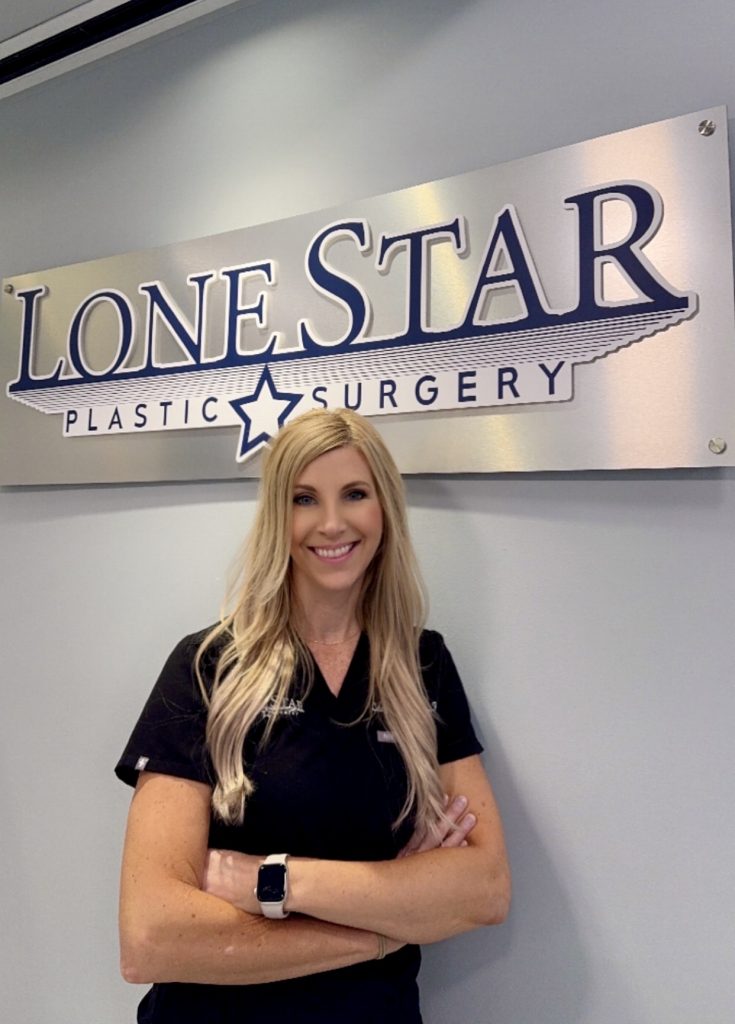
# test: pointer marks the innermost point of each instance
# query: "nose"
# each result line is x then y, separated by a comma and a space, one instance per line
332, 521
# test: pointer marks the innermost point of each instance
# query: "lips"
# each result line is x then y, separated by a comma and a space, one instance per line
336, 553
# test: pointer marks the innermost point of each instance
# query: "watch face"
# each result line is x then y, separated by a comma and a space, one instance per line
271, 883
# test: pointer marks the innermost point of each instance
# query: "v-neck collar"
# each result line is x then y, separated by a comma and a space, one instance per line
349, 703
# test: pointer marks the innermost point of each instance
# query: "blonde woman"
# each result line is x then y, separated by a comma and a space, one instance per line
289, 842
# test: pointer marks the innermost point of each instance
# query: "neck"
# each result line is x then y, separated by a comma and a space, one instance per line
328, 619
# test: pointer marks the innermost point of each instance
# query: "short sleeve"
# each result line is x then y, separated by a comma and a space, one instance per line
169, 736
456, 736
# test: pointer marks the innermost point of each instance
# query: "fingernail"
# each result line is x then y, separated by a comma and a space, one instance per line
461, 801
470, 819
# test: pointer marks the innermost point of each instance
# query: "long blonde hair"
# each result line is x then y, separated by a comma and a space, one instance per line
260, 650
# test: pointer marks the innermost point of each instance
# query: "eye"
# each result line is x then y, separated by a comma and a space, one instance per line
357, 494
303, 499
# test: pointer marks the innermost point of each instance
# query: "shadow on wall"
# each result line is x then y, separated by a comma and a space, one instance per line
470, 971
544, 922
543, 965
475, 971
39, 505
575, 495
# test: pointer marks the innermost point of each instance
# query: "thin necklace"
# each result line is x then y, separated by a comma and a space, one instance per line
335, 643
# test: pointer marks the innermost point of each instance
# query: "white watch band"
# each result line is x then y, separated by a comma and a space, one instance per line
274, 909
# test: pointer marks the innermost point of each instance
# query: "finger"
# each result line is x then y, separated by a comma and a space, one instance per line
208, 871
459, 836
457, 807
451, 827
452, 815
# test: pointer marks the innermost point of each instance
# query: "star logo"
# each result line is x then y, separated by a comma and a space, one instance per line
262, 414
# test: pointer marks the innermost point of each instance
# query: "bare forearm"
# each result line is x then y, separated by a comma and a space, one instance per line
429, 895
445, 881
185, 935
423, 898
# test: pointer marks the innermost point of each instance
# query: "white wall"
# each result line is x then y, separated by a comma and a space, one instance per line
591, 614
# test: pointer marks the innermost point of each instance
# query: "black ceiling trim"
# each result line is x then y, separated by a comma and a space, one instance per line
88, 33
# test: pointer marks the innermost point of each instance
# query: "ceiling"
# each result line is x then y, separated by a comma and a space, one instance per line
40, 39
20, 15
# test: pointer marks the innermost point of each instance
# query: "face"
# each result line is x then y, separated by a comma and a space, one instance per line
337, 525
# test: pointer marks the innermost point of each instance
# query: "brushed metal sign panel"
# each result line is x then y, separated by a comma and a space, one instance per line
572, 310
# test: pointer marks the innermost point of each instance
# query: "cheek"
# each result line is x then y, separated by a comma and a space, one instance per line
298, 532
376, 525
303, 526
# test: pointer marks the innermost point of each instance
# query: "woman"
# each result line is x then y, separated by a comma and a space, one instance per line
316, 720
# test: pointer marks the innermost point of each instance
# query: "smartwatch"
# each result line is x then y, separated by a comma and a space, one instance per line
272, 888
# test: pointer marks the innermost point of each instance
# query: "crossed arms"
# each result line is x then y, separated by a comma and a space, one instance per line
181, 920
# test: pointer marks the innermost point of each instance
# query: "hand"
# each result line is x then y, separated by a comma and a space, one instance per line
393, 945
232, 877
452, 831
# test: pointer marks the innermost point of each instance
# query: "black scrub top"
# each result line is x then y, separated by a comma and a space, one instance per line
328, 784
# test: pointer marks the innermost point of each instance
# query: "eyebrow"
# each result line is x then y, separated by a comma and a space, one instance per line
353, 483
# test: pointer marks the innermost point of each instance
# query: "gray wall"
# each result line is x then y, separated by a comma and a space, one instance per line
591, 614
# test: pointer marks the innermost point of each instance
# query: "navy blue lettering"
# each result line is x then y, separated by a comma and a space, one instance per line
506, 238
551, 375
90, 425
160, 304
71, 417
428, 396
115, 420
140, 413
125, 336
342, 288
414, 242
358, 400
235, 311
205, 404
507, 377
387, 391
318, 396
646, 208
25, 376
467, 386
186, 411
166, 405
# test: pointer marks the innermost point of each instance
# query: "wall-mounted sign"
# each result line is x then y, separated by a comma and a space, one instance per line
571, 310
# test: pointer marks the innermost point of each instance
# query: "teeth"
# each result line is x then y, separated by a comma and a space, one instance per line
333, 552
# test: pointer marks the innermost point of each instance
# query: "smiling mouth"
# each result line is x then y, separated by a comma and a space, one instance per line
335, 554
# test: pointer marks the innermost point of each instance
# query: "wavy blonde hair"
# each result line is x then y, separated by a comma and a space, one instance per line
259, 649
